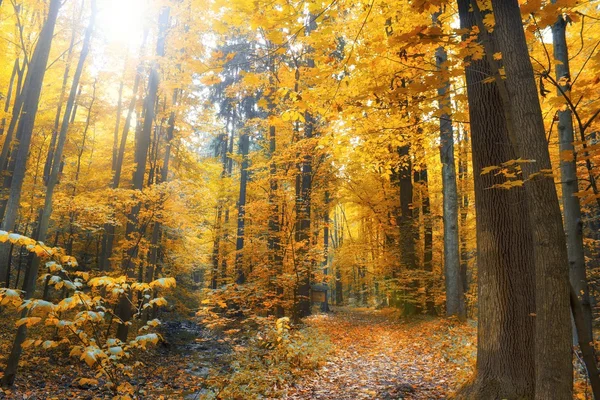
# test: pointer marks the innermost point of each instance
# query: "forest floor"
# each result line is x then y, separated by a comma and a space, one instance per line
379, 356
373, 354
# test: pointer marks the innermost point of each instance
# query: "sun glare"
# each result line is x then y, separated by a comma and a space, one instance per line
122, 21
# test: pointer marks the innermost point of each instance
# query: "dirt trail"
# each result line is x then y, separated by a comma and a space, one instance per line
377, 356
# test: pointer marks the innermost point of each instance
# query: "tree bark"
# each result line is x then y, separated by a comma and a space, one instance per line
34, 80
586, 342
506, 282
554, 372
455, 304
32, 272
568, 173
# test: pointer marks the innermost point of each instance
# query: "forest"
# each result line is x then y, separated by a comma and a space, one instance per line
299, 199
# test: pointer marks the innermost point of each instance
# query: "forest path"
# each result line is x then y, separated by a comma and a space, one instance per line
378, 356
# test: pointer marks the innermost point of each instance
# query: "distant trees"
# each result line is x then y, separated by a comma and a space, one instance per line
259, 152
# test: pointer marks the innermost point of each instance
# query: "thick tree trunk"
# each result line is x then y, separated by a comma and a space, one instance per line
455, 304
506, 282
34, 80
569, 181
554, 372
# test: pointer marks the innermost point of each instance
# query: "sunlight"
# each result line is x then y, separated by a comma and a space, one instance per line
122, 22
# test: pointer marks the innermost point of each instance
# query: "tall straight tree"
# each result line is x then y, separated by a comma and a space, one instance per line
303, 201
140, 158
506, 282
274, 241
568, 174
405, 221
63, 90
455, 304
31, 93
554, 369
108, 236
244, 147
32, 271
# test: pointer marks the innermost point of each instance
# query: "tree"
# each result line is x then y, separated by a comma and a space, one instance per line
506, 282
31, 93
454, 286
568, 173
124, 311
32, 272
554, 372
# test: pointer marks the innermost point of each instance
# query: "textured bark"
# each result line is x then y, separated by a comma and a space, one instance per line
569, 181
455, 304
586, 342
34, 80
554, 372
505, 347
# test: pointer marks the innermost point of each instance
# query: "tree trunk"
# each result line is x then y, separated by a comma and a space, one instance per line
586, 342
554, 372
34, 80
408, 233
275, 256
506, 282
303, 203
303, 223
63, 89
455, 304
464, 212
568, 173
244, 145
9, 92
108, 238
32, 271
140, 158
115, 150
427, 240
